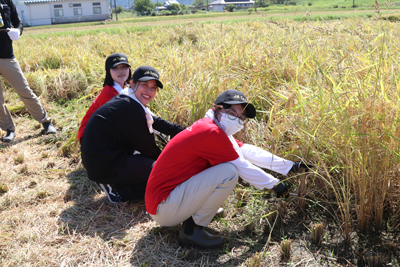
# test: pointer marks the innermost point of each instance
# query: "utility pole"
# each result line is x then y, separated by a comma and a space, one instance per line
207, 5
111, 9
115, 6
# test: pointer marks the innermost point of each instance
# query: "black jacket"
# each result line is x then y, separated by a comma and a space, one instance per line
115, 131
10, 19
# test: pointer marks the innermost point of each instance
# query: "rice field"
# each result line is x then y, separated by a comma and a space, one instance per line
326, 92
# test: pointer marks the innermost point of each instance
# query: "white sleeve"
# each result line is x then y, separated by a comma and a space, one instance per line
265, 159
254, 175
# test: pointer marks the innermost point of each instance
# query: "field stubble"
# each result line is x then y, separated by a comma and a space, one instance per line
326, 92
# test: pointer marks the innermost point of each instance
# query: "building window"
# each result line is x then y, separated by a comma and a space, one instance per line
96, 8
57, 6
76, 5
77, 11
58, 13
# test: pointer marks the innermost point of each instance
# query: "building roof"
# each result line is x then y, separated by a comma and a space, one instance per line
46, 1
223, 2
170, 2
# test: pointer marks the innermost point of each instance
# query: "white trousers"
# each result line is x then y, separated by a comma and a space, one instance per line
200, 196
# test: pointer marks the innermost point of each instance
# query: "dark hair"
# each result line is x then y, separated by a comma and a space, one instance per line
134, 82
222, 106
218, 108
109, 80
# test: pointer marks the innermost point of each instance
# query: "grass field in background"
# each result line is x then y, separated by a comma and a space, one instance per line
326, 92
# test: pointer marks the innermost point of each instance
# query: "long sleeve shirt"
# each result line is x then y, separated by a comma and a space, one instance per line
11, 19
115, 131
252, 156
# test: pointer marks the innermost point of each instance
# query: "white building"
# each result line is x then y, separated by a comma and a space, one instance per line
219, 5
46, 12
166, 5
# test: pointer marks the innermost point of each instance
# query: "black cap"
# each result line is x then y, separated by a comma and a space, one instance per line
233, 97
146, 73
116, 59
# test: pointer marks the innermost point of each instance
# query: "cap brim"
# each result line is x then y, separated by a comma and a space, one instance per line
119, 63
145, 79
250, 109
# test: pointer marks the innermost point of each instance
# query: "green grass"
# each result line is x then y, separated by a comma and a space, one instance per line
301, 7
126, 29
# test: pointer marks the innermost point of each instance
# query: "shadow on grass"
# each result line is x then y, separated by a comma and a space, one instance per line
160, 247
93, 215
19, 140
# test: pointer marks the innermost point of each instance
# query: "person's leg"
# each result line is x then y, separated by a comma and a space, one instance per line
6, 122
132, 175
195, 202
199, 197
134, 169
12, 73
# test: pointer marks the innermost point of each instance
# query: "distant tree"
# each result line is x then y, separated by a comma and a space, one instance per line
230, 7
158, 4
262, 3
174, 7
199, 2
119, 9
279, 2
143, 5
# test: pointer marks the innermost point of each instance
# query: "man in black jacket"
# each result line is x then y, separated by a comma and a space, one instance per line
10, 70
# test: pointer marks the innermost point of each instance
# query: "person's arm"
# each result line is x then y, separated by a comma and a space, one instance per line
166, 127
265, 159
15, 20
105, 95
135, 129
254, 175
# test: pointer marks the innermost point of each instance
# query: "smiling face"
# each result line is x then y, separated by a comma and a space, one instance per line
120, 74
146, 91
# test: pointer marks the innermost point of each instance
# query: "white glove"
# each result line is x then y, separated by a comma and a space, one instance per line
13, 33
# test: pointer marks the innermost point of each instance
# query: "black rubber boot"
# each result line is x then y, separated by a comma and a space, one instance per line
193, 234
9, 136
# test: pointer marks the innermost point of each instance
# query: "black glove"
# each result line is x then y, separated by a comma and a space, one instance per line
281, 190
299, 164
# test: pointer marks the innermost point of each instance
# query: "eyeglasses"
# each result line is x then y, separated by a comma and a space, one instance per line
232, 115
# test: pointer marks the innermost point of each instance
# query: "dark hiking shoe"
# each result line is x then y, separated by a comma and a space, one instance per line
200, 238
49, 128
112, 193
9, 136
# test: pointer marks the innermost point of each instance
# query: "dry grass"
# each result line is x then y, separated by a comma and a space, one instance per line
326, 93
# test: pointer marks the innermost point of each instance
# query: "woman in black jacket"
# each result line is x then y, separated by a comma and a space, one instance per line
118, 146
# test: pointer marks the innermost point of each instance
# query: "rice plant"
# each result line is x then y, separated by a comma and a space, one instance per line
325, 93
317, 233
286, 248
